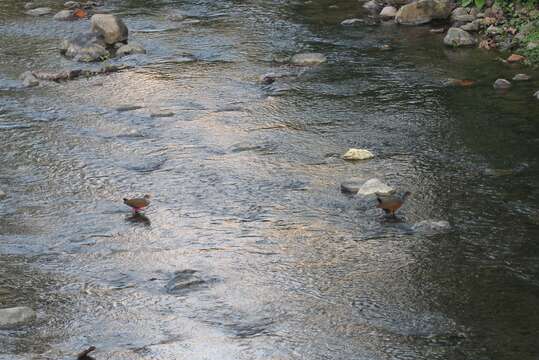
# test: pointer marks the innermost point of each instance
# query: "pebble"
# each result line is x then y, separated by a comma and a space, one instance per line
521, 77
358, 154
16, 316
502, 84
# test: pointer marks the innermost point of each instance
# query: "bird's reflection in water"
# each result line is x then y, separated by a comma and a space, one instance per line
139, 218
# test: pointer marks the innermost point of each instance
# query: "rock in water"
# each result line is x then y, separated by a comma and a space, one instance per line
513, 58
458, 37
350, 21
388, 12
307, 59
372, 5
374, 186
85, 47
111, 27
131, 48
357, 154
423, 11
2, 194
28, 79
64, 15
431, 226
521, 77
502, 84
72, 5
39, 11
351, 186
16, 316
536, 94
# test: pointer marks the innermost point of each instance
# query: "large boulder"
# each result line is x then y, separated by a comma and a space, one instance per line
457, 37
423, 11
111, 27
86, 47
16, 316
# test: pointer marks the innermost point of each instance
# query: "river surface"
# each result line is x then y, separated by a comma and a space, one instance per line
249, 249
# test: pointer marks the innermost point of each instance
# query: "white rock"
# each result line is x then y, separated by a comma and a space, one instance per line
16, 316
306, 59
502, 84
521, 77
39, 11
350, 21
388, 12
536, 94
111, 27
374, 186
63, 15
358, 154
431, 226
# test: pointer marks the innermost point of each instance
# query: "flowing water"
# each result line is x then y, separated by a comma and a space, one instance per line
249, 249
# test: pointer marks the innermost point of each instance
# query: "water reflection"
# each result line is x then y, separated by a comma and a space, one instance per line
138, 217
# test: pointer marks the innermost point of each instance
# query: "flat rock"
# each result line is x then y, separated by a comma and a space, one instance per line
39, 11
124, 108
423, 11
306, 59
64, 15
351, 21
131, 48
457, 37
388, 12
351, 186
521, 77
431, 226
160, 114
374, 186
502, 84
111, 27
358, 154
28, 79
15, 316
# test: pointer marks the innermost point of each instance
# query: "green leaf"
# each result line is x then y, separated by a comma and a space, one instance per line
479, 4
465, 3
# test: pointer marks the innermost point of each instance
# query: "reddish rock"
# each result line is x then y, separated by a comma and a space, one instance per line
515, 58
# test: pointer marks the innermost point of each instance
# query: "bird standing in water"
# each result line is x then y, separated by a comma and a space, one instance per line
391, 202
138, 203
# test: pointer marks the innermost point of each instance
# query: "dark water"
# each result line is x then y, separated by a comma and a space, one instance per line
249, 250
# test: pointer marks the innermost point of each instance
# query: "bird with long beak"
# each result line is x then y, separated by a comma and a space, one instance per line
391, 202
138, 204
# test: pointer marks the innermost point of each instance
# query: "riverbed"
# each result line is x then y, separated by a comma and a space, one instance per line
249, 249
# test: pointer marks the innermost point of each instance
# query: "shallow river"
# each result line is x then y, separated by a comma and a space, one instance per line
250, 250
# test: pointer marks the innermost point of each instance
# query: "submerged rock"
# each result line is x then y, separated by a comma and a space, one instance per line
86, 47
131, 48
351, 186
502, 84
374, 186
458, 37
28, 79
184, 281
431, 226
110, 27
306, 59
423, 11
16, 316
351, 21
39, 11
388, 12
521, 77
358, 154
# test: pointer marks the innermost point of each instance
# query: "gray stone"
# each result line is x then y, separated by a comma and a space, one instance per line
388, 12
16, 316
463, 18
351, 186
351, 21
28, 79
64, 15
423, 11
39, 11
374, 186
521, 77
502, 84
72, 5
471, 26
86, 47
536, 94
372, 5
124, 108
458, 37
30, 5
131, 48
111, 27
2, 195
306, 59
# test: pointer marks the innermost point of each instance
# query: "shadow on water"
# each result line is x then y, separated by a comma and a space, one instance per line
139, 218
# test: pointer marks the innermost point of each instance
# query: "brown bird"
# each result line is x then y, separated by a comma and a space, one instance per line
391, 202
138, 203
